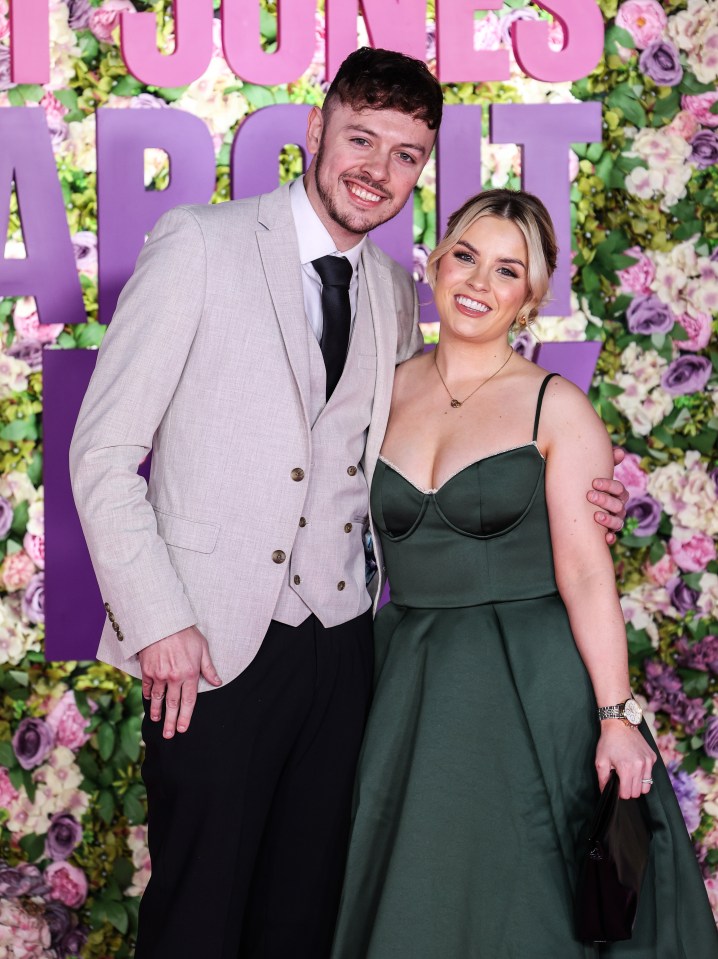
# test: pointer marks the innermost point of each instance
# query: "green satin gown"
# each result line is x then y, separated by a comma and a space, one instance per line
476, 778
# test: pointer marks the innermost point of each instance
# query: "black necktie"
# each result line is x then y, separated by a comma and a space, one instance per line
335, 273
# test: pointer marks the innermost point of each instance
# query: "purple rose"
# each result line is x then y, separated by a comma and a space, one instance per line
647, 314
683, 598
525, 344
687, 374
710, 741
660, 61
79, 14
22, 880
72, 943
64, 834
30, 351
705, 149
663, 686
510, 19
148, 100
702, 655
59, 920
84, 246
6, 513
421, 255
5, 81
32, 741
689, 799
33, 602
648, 513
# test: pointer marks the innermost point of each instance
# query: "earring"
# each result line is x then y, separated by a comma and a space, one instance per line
522, 320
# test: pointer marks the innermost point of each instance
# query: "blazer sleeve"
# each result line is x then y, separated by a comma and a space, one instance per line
138, 368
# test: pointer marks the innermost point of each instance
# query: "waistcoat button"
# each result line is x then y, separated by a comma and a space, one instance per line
340, 585
348, 527
302, 522
297, 474
120, 637
352, 470
279, 556
297, 580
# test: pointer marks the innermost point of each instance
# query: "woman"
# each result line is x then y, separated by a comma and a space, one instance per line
504, 634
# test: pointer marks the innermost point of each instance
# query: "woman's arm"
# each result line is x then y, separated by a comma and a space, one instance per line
577, 448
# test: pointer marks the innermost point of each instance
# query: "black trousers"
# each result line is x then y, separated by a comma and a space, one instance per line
249, 810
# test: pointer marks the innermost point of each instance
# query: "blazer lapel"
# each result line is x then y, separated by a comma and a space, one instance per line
279, 252
383, 312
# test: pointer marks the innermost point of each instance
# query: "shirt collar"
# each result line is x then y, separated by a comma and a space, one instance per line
313, 237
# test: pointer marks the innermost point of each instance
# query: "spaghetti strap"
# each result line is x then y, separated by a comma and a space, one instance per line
539, 402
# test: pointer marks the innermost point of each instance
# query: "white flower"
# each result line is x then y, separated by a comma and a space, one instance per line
205, 98
635, 613
64, 49
708, 599
687, 493
643, 402
80, 145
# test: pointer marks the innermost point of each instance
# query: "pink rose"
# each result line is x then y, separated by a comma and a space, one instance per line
68, 723
4, 19
104, 19
22, 935
700, 105
698, 328
8, 793
661, 572
67, 883
633, 477
487, 33
684, 125
54, 110
29, 327
35, 548
17, 570
692, 553
645, 20
637, 278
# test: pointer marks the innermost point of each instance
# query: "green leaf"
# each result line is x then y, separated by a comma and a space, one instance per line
690, 84
15, 97
68, 98
33, 846
705, 442
130, 737
34, 470
89, 47
19, 518
616, 35
258, 96
20, 429
267, 24
106, 741
106, 806
171, 93
88, 765
116, 914
123, 871
89, 334
29, 784
127, 86
695, 682
132, 805
7, 755
16, 777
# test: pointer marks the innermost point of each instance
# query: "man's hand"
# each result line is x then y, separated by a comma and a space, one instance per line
611, 496
171, 669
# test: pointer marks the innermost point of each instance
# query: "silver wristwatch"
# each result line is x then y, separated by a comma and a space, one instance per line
630, 713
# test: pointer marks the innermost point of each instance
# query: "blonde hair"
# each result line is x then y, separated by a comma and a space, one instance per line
531, 217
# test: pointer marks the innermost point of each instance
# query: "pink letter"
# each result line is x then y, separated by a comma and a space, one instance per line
395, 25
295, 41
582, 23
48, 272
29, 41
456, 59
545, 132
193, 22
126, 210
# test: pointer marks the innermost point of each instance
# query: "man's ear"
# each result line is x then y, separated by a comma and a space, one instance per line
315, 126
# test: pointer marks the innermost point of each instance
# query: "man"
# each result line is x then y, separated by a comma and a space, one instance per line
253, 350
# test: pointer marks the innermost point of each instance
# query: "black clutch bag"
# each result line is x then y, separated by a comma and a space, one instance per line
612, 867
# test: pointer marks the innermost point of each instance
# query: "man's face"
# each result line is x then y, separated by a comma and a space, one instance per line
366, 165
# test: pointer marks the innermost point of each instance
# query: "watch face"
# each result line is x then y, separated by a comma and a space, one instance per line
633, 712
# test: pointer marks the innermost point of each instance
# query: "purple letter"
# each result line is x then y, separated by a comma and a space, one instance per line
582, 23
29, 41
397, 25
258, 143
138, 31
48, 272
456, 59
545, 131
295, 41
126, 211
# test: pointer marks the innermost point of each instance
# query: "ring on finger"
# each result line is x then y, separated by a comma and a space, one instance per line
649, 781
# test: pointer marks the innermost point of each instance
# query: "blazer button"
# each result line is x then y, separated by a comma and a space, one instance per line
120, 637
352, 470
107, 607
302, 522
297, 474
340, 585
111, 616
279, 556
297, 580
116, 627
348, 527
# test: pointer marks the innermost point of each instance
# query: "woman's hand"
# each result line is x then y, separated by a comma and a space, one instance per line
624, 749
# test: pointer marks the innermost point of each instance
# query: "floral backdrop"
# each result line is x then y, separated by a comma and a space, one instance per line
73, 860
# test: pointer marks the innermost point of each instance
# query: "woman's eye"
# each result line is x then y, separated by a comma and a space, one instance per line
505, 271
463, 257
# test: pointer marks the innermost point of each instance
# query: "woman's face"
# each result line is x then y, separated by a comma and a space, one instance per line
482, 281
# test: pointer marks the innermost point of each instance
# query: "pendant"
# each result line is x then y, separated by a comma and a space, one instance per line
456, 404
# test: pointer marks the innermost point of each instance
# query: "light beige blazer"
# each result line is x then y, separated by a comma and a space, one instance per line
206, 364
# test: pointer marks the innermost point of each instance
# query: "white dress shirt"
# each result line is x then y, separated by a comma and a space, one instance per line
315, 241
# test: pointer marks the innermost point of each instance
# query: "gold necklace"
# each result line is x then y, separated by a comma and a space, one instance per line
457, 403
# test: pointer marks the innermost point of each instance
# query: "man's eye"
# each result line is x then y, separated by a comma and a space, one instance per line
360, 141
407, 158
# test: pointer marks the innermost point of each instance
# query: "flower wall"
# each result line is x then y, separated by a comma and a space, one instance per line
644, 204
